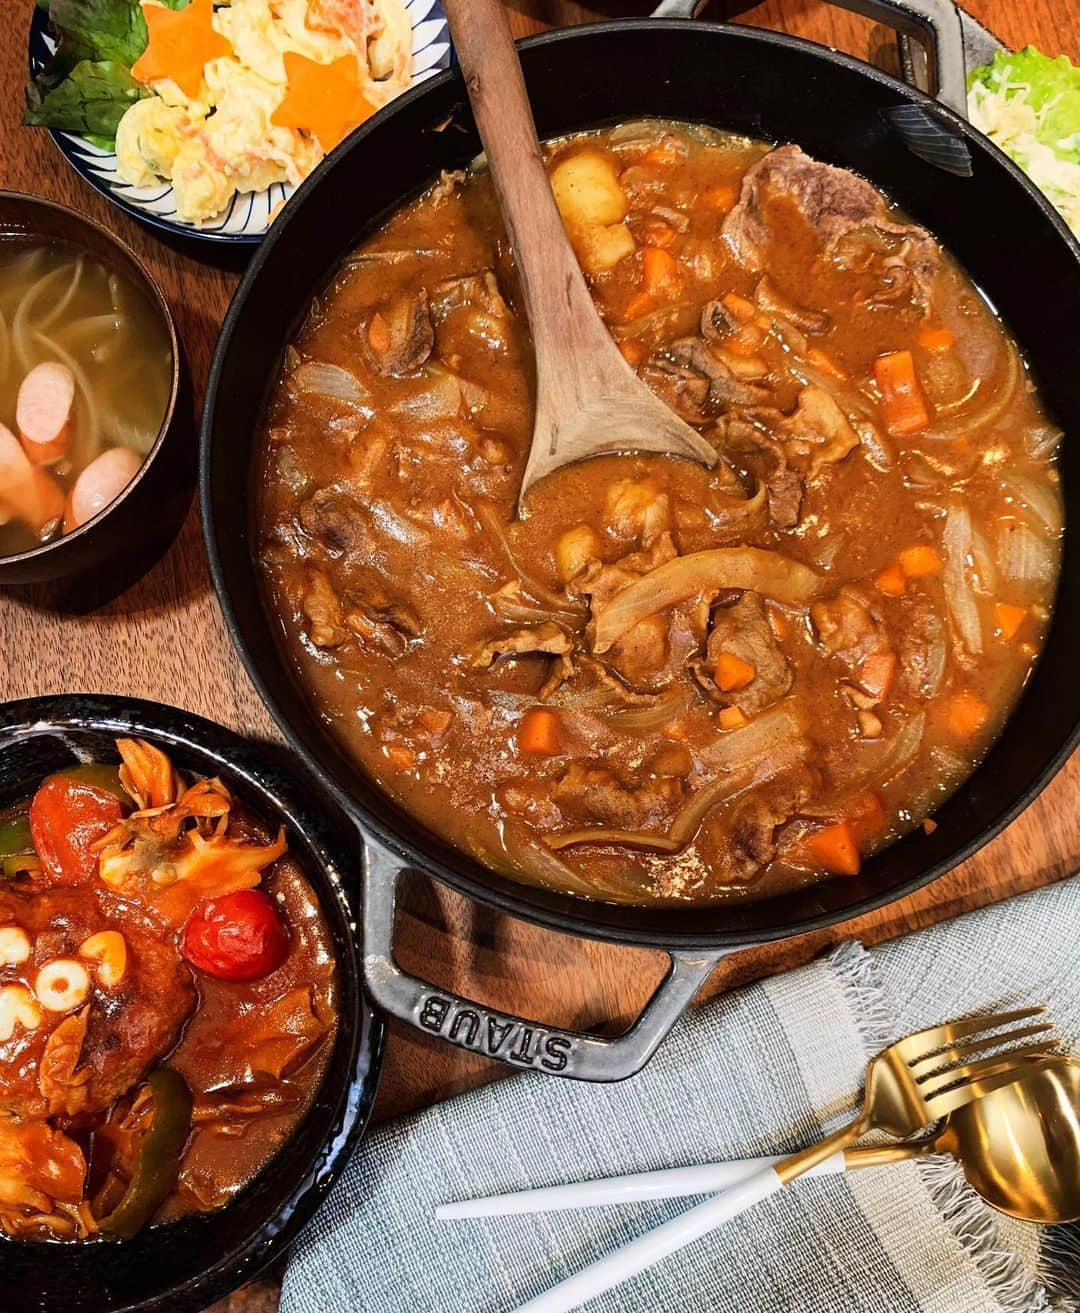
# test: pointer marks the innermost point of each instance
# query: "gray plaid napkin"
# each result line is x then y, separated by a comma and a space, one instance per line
909, 1238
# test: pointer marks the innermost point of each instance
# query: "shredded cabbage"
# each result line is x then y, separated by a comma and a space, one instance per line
1029, 105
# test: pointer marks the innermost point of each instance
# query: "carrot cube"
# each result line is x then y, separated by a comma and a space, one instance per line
721, 197
967, 714
1008, 619
905, 407
834, 849
633, 352
732, 672
659, 270
738, 307
876, 673
826, 364
891, 581
538, 732
919, 561
936, 339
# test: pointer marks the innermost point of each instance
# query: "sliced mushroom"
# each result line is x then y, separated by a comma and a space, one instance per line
724, 388
322, 610
818, 433
380, 620
548, 639
400, 335
469, 291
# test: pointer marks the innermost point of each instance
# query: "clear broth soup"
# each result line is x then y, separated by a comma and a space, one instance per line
97, 407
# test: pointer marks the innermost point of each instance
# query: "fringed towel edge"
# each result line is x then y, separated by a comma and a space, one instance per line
1008, 1279
865, 994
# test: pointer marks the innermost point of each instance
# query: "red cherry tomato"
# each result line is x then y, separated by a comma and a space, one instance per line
238, 936
67, 816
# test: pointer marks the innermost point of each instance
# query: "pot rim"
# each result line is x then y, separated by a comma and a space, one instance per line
562, 912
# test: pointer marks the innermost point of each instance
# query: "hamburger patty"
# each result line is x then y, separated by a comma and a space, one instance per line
74, 1064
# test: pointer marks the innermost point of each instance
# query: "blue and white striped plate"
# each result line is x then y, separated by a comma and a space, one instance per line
248, 217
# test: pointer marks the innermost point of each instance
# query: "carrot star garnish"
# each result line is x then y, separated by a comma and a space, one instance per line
182, 42
326, 100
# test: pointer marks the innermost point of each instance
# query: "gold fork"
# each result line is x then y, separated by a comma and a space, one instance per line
909, 1086
921, 1078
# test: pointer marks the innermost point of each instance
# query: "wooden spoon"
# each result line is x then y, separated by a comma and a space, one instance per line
588, 399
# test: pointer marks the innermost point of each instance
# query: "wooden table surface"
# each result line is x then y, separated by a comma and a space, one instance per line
164, 639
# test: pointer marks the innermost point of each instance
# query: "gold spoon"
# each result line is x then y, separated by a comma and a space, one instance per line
588, 399
1019, 1147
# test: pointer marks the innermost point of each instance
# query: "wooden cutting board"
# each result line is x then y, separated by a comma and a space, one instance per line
164, 639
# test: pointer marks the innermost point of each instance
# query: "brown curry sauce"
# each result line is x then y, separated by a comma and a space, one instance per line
427, 625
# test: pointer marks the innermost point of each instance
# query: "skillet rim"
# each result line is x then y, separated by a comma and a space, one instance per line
565, 913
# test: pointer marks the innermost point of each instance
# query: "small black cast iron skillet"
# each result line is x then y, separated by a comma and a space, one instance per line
183, 1266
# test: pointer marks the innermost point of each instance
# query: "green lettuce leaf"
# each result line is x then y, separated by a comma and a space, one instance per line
108, 30
92, 99
86, 86
1050, 86
1029, 105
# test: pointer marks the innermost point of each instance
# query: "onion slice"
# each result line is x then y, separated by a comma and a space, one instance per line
696, 575
959, 594
879, 763
316, 378
1039, 496
489, 518
662, 711
770, 744
629, 838
1028, 559
995, 407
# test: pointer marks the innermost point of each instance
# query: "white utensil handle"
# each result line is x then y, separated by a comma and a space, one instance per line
636, 1187
655, 1245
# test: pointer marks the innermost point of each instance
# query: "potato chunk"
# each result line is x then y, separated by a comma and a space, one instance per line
575, 549
600, 249
587, 190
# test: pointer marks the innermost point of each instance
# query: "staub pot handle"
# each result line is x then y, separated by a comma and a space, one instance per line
526, 1044
935, 25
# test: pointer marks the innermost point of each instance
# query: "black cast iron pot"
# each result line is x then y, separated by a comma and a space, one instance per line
183, 1266
765, 85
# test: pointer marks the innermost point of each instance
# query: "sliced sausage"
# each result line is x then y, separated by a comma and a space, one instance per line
43, 411
103, 480
27, 491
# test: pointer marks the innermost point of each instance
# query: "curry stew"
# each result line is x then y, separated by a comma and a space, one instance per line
168, 999
663, 682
